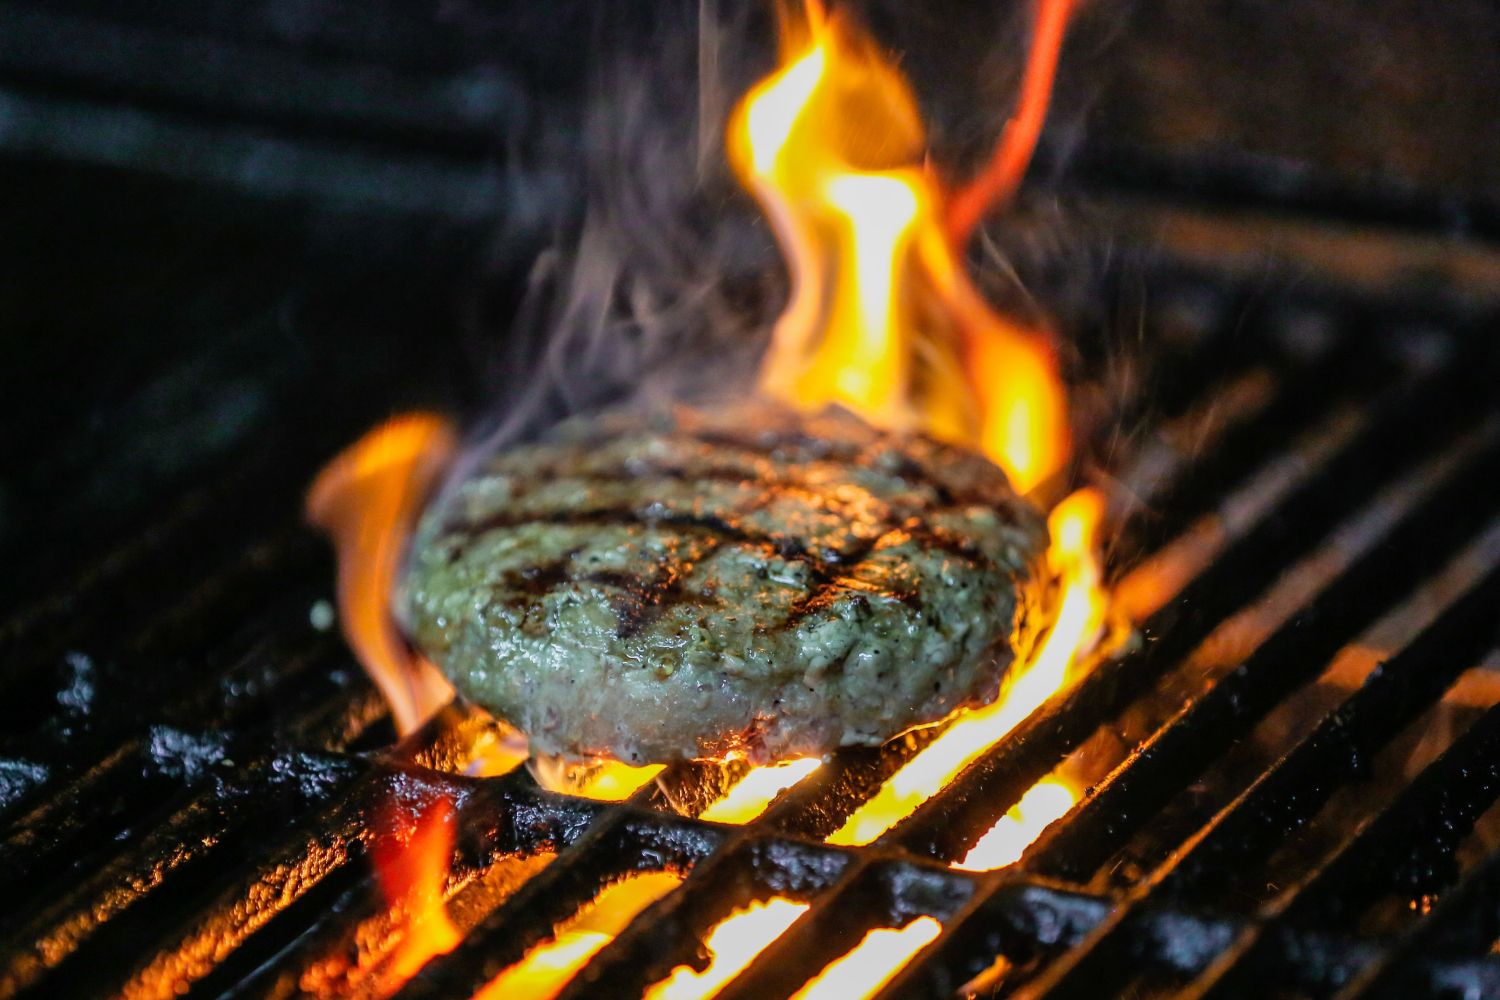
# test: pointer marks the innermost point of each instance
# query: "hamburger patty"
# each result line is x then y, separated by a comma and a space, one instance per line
692, 583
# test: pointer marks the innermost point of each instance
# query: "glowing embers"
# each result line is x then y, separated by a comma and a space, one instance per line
882, 319
611, 781
732, 945
1044, 803
872, 963
367, 500
750, 796
1080, 618
604, 780
497, 749
548, 967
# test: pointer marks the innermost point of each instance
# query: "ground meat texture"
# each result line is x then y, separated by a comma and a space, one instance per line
691, 583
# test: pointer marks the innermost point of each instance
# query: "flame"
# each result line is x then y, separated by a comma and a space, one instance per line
999, 180
411, 858
872, 963
753, 793
367, 500
882, 319
1080, 619
604, 780
732, 945
611, 781
495, 751
548, 967
1044, 803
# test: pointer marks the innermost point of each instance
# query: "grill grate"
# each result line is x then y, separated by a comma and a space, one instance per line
1293, 775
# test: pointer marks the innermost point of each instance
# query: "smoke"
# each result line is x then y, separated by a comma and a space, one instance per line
662, 281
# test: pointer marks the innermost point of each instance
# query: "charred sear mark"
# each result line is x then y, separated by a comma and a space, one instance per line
640, 600
534, 581
862, 457
840, 589
913, 471
775, 445
721, 529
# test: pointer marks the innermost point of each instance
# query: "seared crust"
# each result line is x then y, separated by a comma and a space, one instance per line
691, 583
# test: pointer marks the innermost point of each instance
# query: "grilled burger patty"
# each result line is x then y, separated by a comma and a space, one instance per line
692, 583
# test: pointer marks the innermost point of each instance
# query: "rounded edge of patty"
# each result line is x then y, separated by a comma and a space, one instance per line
700, 582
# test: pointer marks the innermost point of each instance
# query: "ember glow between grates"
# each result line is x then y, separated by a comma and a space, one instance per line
883, 321
547, 968
732, 945
872, 963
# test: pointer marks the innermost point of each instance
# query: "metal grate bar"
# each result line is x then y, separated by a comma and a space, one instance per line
1383, 447
1429, 815
52, 943
1419, 544
132, 778
1349, 375
615, 844
874, 896
667, 934
1464, 922
1291, 791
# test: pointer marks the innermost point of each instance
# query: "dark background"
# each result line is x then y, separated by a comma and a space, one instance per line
239, 232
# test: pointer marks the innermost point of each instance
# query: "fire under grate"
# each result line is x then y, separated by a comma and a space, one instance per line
1291, 777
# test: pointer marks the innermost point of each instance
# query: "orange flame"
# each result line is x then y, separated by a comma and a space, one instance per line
604, 780
1080, 618
1044, 803
754, 792
411, 857
882, 318
549, 966
611, 781
367, 500
998, 181
732, 945
872, 963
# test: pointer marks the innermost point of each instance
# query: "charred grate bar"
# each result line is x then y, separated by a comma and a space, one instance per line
1292, 776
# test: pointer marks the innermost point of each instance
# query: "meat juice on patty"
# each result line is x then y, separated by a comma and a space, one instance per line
691, 583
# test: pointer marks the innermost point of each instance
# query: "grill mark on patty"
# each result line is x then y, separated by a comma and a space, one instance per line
859, 457
642, 599
767, 553
830, 587
829, 592
724, 528
817, 449
646, 599
536, 581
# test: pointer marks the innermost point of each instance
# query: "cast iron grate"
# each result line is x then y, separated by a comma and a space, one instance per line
1292, 778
